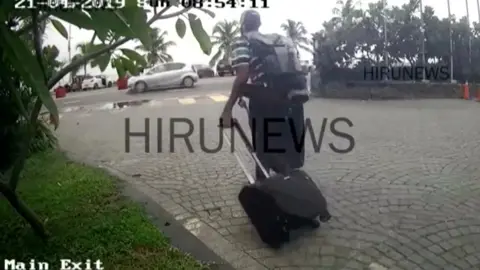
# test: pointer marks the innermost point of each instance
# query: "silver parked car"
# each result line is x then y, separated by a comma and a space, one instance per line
163, 76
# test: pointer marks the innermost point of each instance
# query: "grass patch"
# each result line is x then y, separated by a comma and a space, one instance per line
87, 219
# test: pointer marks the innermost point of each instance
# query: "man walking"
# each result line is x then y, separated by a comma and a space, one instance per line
276, 117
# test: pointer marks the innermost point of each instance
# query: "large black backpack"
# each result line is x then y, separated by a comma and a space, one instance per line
280, 65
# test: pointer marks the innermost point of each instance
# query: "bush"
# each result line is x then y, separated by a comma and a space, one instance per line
29, 71
14, 127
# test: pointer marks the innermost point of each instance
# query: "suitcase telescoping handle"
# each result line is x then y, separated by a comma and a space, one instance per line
250, 148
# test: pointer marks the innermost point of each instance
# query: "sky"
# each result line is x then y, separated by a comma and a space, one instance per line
312, 13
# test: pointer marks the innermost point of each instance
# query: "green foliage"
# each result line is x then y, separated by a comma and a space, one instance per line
157, 51
118, 65
90, 220
355, 38
298, 33
134, 56
14, 107
29, 70
51, 63
44, 139
223, 36
60, 28
10, 124
199, 33
181, 27
15, 126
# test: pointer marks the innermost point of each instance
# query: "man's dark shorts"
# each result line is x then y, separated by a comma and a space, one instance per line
278, 133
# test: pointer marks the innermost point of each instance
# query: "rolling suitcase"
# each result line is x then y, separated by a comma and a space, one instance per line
281, 202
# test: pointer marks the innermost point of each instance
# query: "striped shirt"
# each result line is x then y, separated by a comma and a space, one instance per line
242, 55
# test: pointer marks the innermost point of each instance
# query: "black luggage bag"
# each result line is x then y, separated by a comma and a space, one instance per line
281, 202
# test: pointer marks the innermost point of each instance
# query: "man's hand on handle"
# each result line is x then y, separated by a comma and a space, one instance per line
226, 120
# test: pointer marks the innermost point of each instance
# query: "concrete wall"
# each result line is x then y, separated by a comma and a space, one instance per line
386, 90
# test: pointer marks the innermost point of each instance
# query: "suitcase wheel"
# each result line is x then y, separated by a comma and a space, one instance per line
275, 245
315, 224
277, 242
262, 212
325, 218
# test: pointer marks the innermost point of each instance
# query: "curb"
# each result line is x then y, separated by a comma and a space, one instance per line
178, 235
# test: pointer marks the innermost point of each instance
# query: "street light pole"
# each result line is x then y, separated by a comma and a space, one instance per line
70, 47
385, 40
451, 41
469, 41
478, 10
423, 40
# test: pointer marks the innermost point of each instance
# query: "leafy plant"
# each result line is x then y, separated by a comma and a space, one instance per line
157, 51
26, 65
355, 38
84, 48
298, 33
223, 36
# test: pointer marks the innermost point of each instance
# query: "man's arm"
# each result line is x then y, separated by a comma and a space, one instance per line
240, 79
240, 61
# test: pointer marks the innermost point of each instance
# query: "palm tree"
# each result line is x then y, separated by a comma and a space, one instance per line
223, 35
297, 32
83, 47
469, 39
157, 51
75, 71
423, 38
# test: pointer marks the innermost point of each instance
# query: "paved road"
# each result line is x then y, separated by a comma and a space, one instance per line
407, 197
209, 85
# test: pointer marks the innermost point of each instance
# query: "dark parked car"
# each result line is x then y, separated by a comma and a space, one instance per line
204, 71
224, 67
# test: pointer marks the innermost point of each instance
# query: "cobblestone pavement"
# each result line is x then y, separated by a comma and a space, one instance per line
407, 196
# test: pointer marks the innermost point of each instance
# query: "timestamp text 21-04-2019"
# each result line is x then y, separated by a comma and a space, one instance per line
118, 4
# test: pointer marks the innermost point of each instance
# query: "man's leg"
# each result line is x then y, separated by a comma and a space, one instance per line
278, 153
296, 137
292, 140
255, 119
276, 144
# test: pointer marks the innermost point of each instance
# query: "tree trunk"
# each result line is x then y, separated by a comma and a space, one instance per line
24, 211
85, 70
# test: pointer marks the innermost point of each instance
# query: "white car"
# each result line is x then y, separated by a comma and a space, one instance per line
164, 76
91, 82
106, 82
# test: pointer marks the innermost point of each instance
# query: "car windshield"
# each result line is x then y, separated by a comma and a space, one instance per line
88, 77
